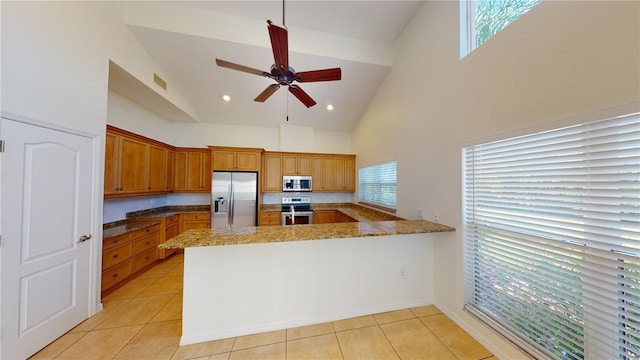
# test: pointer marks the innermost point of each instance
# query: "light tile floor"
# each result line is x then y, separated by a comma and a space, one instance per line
142, 320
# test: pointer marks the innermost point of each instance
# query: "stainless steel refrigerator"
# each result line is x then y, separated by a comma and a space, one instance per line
234, 198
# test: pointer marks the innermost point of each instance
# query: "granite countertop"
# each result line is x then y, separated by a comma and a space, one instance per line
269, 234
122, 227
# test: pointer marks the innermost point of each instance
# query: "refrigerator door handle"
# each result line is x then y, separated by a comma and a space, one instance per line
233, 204
229, 204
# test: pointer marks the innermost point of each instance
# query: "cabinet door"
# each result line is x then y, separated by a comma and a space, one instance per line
329, 170
289, 165
134, 165
304, 165
224, 160
247, 160
205, 180
111, 163
171, 173
157, 168
324, 216
350, 173
194, 170
180, 179
317, 173
272, 174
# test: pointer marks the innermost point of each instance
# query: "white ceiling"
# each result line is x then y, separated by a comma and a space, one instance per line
185, 37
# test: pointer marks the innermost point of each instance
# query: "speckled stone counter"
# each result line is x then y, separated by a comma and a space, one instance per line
122, 227
271, 234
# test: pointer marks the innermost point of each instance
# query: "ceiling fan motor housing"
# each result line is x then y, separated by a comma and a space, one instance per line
282, 76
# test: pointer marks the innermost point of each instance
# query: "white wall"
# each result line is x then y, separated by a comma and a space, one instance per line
561, 59
238, 290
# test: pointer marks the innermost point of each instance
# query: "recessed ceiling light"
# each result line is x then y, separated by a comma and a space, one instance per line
226, 97
329, 107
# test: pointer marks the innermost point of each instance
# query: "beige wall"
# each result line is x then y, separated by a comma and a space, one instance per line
562, 59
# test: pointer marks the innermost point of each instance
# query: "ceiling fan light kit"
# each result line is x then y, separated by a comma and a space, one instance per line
281, 72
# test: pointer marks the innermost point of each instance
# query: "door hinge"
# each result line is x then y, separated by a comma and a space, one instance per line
1, 146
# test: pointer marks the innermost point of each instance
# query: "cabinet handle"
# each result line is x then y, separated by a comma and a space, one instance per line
115, 256
116, 241
115, 275
84, 238
147, 242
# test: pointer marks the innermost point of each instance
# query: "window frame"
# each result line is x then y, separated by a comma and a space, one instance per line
469, 283
379, 205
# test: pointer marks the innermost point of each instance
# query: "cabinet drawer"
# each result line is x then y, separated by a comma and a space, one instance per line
200, 216
115, 241
144, 259
116, 274
145, 243
116, 255
270, 214
173, 219
148, 230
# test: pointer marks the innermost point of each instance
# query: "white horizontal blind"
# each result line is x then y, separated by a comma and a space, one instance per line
552, 238
377, 184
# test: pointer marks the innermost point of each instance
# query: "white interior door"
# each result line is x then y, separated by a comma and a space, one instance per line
45, 195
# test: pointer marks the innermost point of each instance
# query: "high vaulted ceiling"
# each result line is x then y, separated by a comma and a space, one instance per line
185, 38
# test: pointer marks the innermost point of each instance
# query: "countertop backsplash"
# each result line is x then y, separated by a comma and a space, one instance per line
116, 209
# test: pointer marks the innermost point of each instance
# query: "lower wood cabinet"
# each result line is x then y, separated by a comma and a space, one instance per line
324, 216
266, 218
194, 221
125, 255
330, 217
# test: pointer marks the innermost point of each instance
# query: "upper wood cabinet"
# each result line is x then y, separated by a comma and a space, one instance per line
296, 164
330, 172
344, 173
235, 159
192, 170
134, 165
272, 173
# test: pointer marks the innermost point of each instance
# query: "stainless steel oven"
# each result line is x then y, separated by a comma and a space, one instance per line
296, 210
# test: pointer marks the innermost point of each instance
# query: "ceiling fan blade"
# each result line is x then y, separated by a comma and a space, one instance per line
301, 95
279, 45
267, 93
319, 75
232, 66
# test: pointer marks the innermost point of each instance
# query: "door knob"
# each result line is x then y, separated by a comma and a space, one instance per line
84, 238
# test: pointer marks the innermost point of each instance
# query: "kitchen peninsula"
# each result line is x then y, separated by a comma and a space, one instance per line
256, 279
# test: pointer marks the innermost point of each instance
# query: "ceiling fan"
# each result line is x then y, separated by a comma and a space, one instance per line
281, 72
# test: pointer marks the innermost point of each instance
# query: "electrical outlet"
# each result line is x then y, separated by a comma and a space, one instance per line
403, 272
436, 216
420, 213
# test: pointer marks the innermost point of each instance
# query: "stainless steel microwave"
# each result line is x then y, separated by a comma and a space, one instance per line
296, 183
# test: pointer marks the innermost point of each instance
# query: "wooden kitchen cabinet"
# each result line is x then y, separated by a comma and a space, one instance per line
171, 173
266, 218
296, 164
192, 170
134, 165
344, 171
324, 216
128, 255
272, 173
235, 159
190, 221
330, 172
168, 227
157, 168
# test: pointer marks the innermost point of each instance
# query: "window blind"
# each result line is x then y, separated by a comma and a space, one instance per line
552, 239
377, 184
